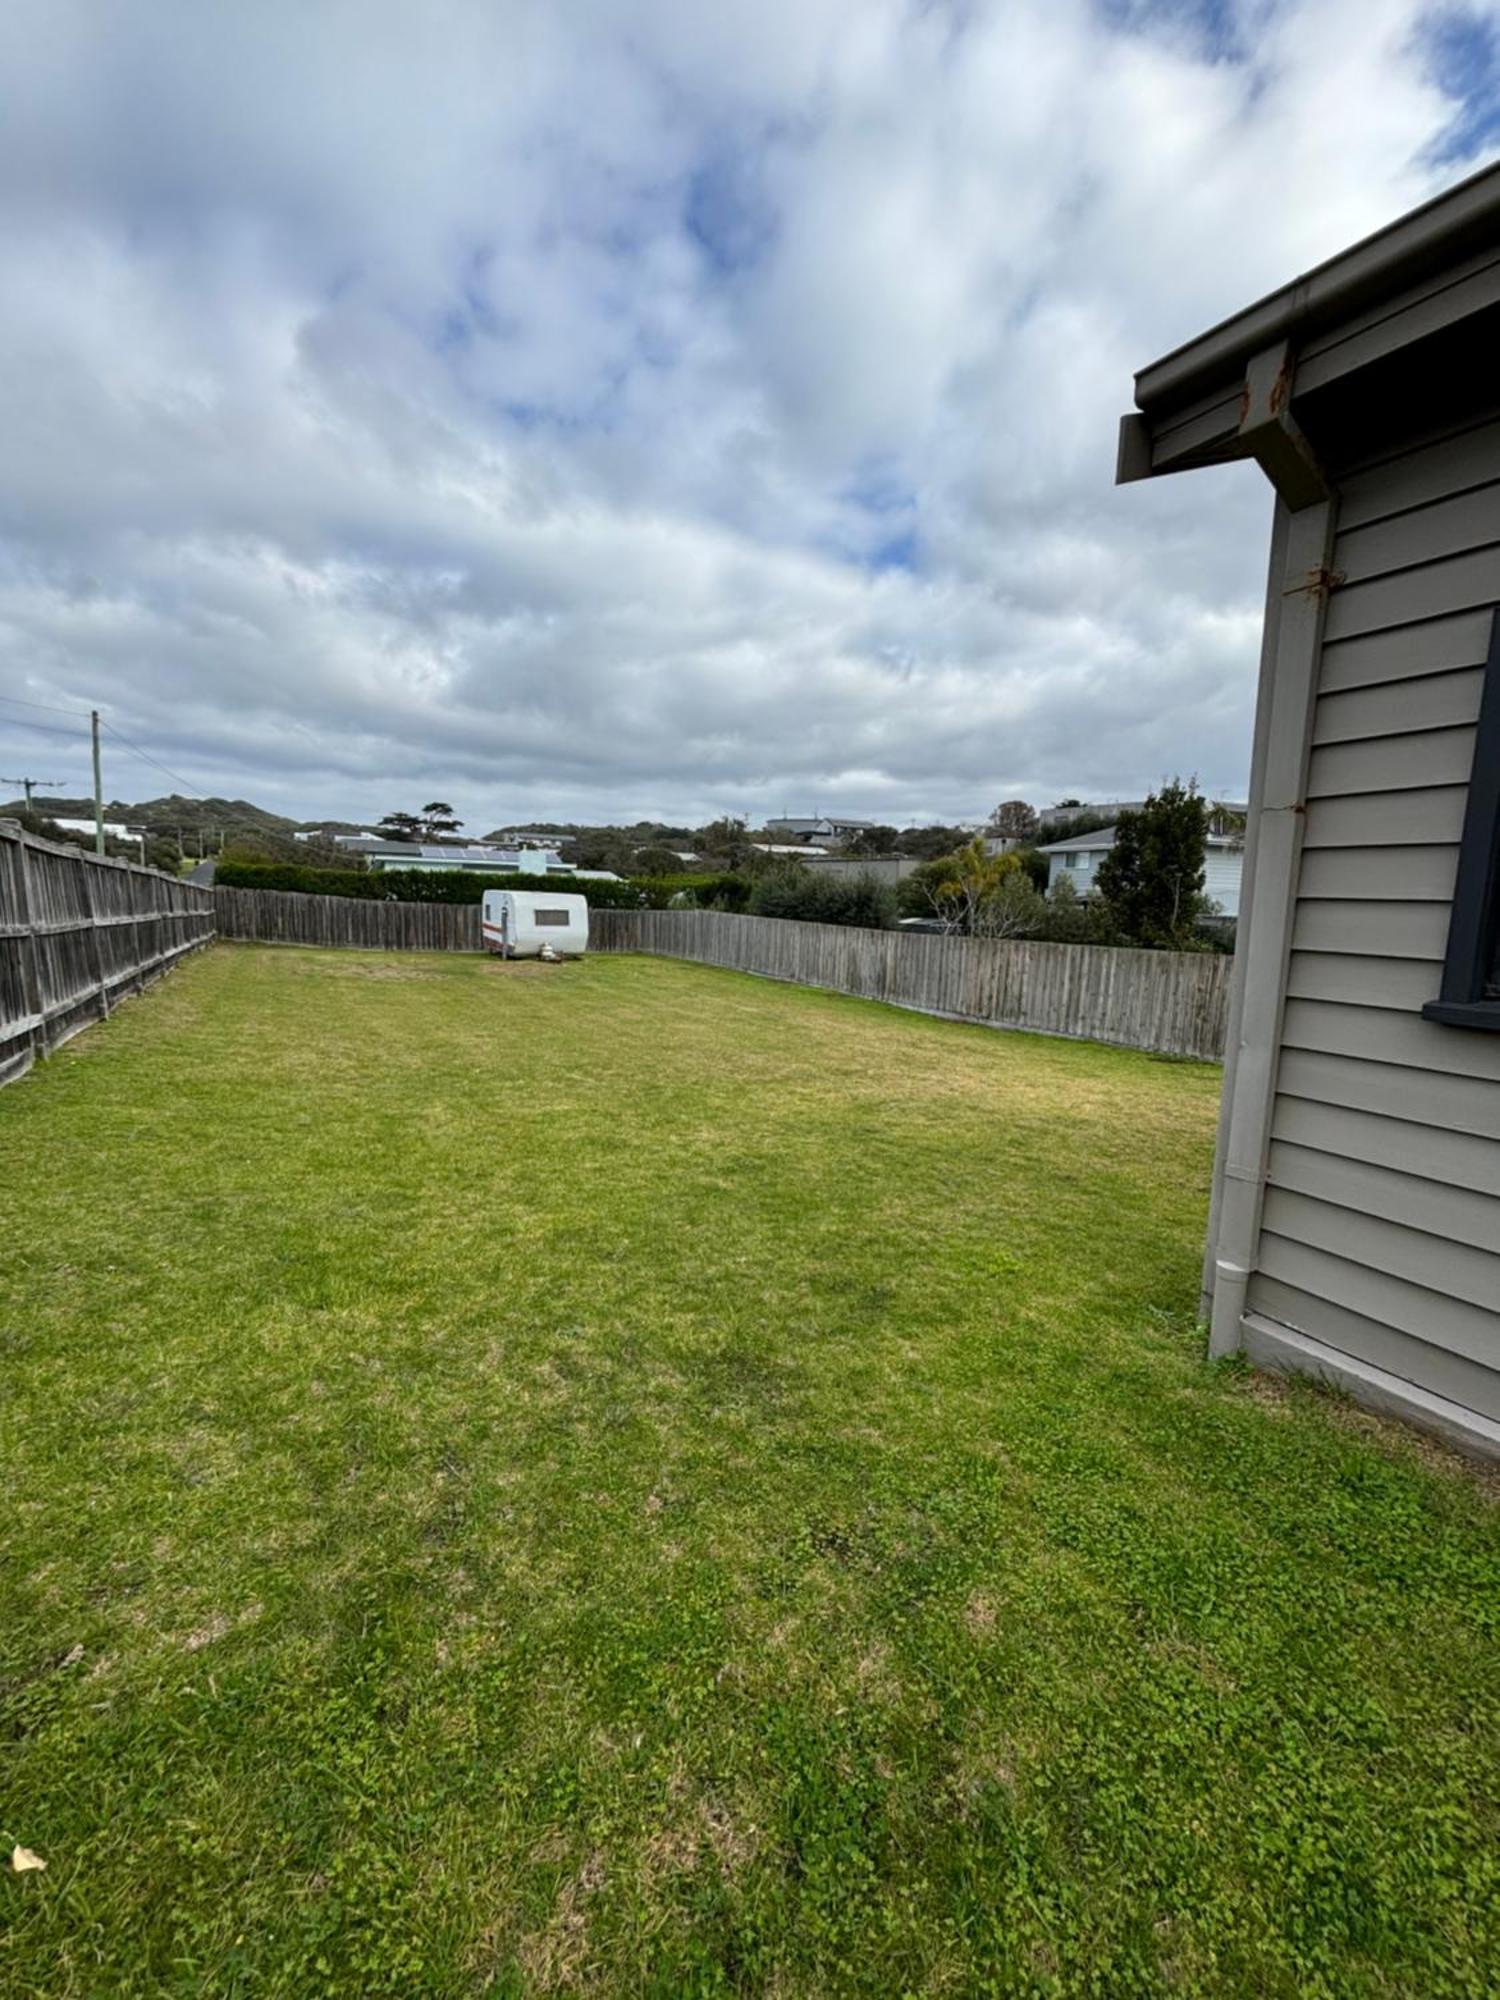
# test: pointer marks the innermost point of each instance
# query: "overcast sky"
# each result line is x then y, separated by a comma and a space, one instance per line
598, 411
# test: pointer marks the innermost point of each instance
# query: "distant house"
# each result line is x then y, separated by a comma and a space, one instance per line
819, 830
478, 859
891, 868
1071, 809
114, 829
1354, 1231
1077, 861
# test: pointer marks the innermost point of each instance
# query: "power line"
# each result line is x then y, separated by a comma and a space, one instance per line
176, 777
46, 728
51, 707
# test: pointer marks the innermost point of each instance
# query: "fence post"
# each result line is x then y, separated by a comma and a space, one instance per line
96, 947
55, 975
31, 969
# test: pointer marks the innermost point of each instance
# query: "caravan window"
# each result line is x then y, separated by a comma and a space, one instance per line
550, 917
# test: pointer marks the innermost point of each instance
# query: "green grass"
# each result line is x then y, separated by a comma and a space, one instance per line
627, 1479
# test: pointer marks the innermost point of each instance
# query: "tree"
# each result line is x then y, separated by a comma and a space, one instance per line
437, 819
815, 896
963, 890
1016, 909
400, 826
431, 823
871, 842
656, 860
1069, 918
601, 847
1036, 866
164, 853
1152, 878
726, 842
1014, 820
927, 843
1088, 819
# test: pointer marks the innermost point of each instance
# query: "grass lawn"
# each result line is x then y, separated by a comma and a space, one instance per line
624, 1478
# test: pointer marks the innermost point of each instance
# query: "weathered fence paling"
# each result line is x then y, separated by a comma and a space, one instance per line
77, 932
1173, 1003
277, 916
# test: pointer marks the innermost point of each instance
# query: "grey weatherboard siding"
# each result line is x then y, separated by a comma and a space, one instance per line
1369, 1248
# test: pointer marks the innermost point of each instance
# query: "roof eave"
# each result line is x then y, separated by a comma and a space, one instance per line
1440, 231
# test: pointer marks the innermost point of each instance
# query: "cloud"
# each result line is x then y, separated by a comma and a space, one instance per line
604, 411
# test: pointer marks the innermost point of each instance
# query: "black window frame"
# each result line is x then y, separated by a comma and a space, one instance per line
1474, 927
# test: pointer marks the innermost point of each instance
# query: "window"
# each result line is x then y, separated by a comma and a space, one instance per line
1073, 860
550, 917
1470, 996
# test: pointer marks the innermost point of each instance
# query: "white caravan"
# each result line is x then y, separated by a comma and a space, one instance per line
534, 923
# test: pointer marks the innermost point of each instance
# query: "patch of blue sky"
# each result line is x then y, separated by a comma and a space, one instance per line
1462, 50
900, 552
473, 313
880, 512
1216, 28
727, 213
878, 487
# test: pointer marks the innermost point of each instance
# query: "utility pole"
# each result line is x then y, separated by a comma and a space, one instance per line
98, 785
29, 785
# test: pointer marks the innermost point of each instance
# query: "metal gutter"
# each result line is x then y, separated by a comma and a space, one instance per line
1454, 223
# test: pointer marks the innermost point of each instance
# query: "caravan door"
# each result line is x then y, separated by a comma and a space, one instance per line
495, 926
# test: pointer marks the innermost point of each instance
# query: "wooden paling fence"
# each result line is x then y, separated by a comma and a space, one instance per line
1174, 1003
274, 916
78, 933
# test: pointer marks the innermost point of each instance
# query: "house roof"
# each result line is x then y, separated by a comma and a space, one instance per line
1436, 236
814, 820
1411, 312
1102, 836
1077, 808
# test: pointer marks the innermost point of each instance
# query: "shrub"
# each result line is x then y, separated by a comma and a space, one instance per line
1073, 919
1037, 867
297, 878
418, 885
1014, 909
809, 896
973, 893
654, 860
725, 891
704, 892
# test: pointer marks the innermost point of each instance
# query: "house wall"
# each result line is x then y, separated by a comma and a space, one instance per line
1222, 868
889, 868
1380, 1230
1080, 867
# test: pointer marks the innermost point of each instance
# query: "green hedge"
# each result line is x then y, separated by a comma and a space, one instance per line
420, 885
860, 901
294, 877
465, 887
704, 892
